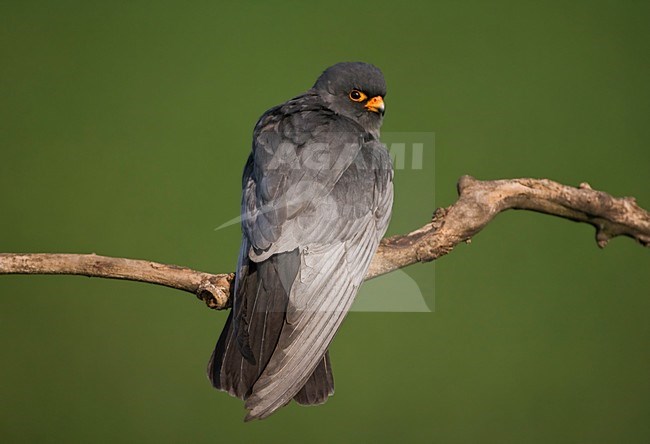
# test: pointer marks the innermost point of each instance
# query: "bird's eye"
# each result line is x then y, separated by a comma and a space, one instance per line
357, 96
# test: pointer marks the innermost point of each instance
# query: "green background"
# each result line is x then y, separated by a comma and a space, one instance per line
124, 127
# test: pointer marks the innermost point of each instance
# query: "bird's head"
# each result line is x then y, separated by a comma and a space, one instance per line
355, 90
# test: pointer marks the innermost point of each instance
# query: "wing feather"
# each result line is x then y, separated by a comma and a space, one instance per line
309, 331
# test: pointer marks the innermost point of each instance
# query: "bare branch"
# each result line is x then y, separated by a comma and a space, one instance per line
478, 203
214, 289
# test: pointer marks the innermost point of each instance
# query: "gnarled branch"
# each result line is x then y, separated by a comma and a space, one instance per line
478, 203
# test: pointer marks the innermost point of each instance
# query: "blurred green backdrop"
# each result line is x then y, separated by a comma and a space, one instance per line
124, 129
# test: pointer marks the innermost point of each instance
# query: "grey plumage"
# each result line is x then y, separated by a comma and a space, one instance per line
317, 194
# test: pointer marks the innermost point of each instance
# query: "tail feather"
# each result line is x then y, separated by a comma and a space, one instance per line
252, 330
319, 386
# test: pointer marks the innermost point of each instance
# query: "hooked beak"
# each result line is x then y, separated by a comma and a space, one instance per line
376, 105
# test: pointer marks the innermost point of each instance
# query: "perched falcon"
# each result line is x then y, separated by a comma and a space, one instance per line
317, 197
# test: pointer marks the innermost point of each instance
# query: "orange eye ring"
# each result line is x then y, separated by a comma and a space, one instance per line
357, 96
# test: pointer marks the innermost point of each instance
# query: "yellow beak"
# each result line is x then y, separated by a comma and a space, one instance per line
376, 105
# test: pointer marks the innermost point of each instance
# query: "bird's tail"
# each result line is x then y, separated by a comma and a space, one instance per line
252, 331
230, 373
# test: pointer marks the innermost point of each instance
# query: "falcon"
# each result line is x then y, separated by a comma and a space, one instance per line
316, 201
